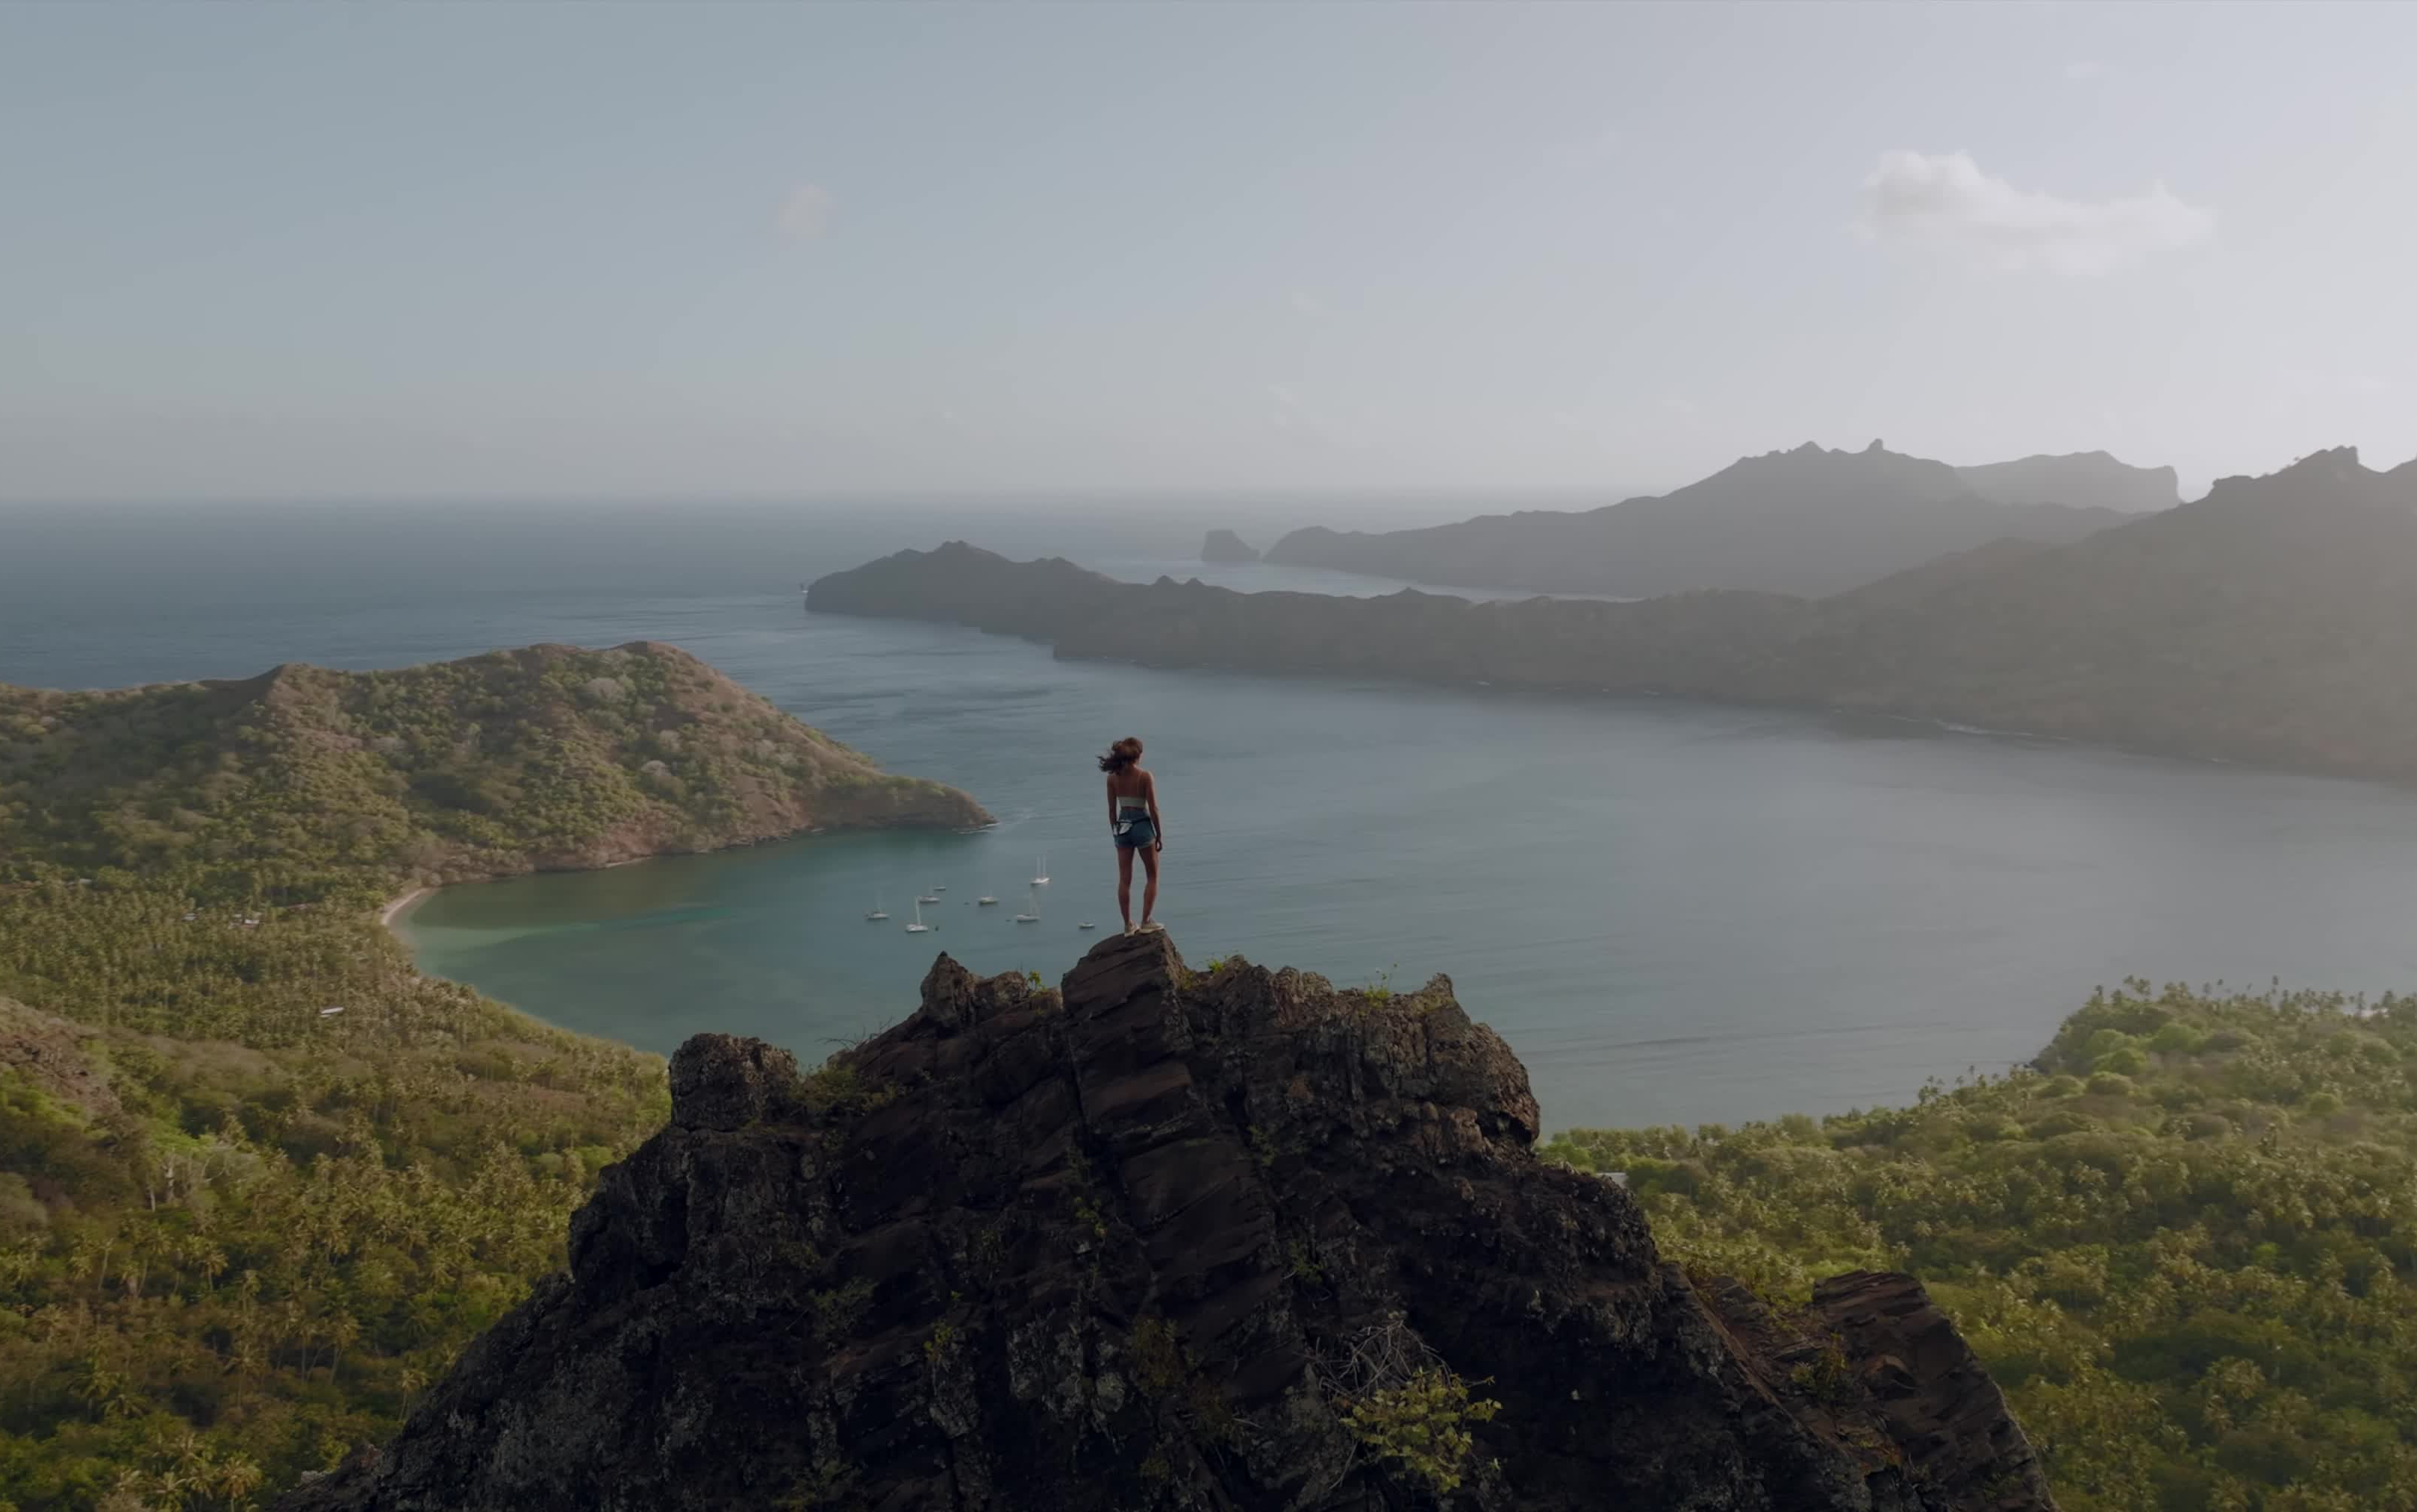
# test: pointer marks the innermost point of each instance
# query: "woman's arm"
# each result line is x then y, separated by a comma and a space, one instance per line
1157, 825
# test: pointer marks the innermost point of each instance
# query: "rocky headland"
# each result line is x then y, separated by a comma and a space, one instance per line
1166, 1237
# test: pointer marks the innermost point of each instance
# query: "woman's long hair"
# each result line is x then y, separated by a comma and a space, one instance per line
1121, 755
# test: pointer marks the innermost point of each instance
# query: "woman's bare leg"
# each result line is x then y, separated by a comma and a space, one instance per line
1124, 886
1149, 888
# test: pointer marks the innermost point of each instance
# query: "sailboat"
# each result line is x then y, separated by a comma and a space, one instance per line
919, 927
1086, 926
876, 913
1041, 878
1031, 914
985, 900
931, 896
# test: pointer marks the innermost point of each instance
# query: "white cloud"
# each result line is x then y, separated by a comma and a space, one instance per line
1943, 203
806, 213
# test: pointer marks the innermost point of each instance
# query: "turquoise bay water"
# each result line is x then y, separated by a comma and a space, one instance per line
1675, 913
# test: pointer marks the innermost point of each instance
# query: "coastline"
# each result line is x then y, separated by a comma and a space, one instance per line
393, 911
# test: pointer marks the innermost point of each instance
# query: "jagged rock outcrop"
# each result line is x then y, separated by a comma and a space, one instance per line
1224, 545
1940, 1406
1153, 1240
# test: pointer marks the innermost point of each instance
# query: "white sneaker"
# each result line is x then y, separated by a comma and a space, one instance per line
1153, 926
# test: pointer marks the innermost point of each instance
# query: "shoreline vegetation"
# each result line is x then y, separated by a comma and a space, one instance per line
2265, 624
261, 1180
390, 917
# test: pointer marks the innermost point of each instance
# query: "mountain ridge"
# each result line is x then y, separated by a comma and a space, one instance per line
2091, 478
2265, 623
1806, 520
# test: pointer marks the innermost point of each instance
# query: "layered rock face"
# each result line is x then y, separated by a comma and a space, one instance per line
1167, 1238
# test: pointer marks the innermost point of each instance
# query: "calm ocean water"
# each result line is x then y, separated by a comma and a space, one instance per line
1676, 913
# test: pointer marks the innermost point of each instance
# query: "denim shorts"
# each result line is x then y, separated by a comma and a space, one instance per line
1136, 834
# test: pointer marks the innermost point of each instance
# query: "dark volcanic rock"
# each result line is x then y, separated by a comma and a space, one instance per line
1141, 1244
1224, 545
1940, 1406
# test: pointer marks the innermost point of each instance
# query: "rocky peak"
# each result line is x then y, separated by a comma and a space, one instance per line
2330, 479
1165, 1237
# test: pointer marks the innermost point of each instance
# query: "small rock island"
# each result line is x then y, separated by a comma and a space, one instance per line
1224, 545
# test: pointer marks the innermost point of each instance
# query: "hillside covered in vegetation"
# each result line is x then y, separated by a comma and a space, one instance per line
2184, 1241
260, 1181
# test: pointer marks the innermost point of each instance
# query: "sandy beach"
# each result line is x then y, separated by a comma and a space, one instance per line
394, 910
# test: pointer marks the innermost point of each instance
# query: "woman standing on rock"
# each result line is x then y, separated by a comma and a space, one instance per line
1132, 818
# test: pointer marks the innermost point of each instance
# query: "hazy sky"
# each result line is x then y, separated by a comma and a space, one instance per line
568, 249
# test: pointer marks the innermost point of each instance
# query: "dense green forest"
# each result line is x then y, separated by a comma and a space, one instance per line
260, 1181
2185, 1242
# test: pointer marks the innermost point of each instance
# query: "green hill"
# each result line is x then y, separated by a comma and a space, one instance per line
260, 1180
2182, 1241
546, 758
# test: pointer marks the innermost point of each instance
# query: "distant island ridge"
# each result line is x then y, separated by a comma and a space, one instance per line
2266, 623
2085, 479
1807, 521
